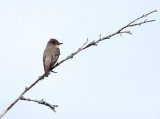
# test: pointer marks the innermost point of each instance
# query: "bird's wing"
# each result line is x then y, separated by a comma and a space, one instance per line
55, 57
44, 57
44, 61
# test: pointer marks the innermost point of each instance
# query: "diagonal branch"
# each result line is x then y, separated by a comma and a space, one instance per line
20, 96
140, 23
40, 102
145, 15
120, 31
84, 46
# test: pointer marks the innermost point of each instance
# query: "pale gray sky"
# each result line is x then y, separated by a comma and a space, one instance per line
118, 79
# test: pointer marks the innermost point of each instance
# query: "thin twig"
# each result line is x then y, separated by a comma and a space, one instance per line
145, 15
129, 32
84, 46
140, 23
40, 102
18, 98
120, 31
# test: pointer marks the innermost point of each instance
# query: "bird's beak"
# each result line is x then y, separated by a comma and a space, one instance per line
60, 43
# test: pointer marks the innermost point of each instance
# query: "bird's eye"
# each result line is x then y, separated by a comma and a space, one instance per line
53, 42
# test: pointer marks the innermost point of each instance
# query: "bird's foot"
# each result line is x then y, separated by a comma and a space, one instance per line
53, 71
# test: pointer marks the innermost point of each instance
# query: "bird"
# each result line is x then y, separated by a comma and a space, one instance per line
51, 55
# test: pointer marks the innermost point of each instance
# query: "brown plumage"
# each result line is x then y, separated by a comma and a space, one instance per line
51, 55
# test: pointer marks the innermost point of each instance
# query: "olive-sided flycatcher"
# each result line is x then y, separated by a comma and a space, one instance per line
51, 55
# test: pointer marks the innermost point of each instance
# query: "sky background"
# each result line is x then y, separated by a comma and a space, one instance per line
118, 79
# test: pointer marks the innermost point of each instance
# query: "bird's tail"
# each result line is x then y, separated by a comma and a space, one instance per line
47, 70
47, 66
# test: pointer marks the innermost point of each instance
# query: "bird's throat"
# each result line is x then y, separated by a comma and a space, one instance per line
57, 46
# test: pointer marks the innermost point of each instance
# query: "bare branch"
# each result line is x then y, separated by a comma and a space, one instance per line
120, 31
84, 46
140, 23
40, 102
125, 32
145, 15
18, 98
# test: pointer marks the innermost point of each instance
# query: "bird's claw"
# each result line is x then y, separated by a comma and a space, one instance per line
53, 71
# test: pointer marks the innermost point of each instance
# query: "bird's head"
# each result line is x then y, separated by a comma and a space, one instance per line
54, 42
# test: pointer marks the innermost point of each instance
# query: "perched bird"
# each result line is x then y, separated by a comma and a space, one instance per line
51, 55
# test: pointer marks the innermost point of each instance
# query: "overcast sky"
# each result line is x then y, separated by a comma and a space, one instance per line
118, 79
